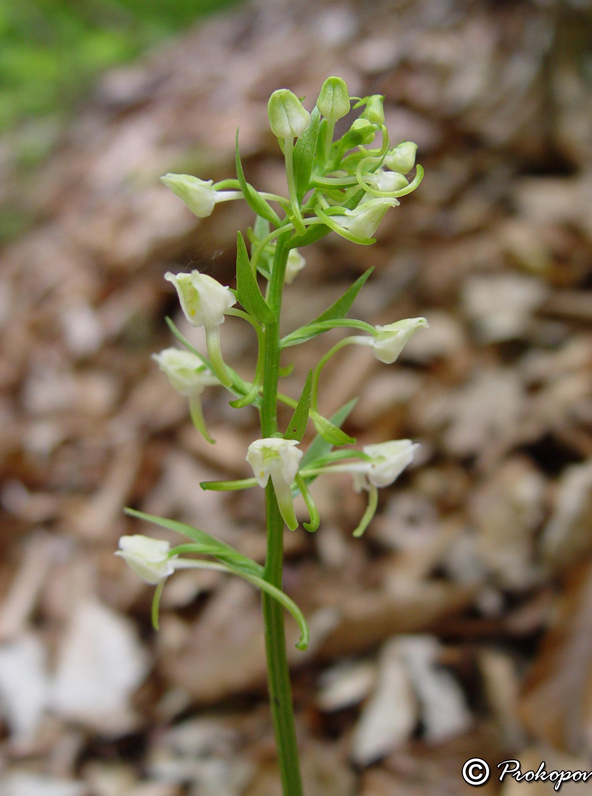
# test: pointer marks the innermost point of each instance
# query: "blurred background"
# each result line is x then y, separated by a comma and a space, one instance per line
460, 625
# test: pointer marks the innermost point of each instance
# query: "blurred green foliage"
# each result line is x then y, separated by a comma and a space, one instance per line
51, 50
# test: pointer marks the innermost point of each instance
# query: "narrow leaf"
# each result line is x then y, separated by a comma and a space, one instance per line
299, 420
319, 447
247, 289
208, 545
304, 153
252, 198
329, 432
341, 307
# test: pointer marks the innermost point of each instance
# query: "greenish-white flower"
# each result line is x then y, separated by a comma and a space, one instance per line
147, 557
199, 195
189, 376
185, 371
386, 462
278, 459
391, 339
204, 302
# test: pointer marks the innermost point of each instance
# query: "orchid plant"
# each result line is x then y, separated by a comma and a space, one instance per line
335, 184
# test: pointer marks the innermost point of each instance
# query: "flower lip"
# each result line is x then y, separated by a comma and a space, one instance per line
147, 557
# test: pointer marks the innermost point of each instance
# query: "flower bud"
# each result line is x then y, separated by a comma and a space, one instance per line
333, 101
287, 116
391, 339
278, 459
361, 132
364, 220
147, 557
198, 195
402, 157
295, 264
388, 181
374, 110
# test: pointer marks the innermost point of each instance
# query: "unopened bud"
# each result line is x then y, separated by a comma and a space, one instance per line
402, 157
374, 111
287, 116
333, 101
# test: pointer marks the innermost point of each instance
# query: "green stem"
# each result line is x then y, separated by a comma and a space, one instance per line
278, 674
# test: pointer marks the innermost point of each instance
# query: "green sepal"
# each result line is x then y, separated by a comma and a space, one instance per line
286, 370
298, 422
247, 289
228, 486
155, 609
252, 198
304, 153
329, 432
315, 519
319, 447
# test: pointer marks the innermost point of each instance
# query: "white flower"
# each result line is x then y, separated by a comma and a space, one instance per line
147, 557
387, 462
390, 340
279, 459
402, 157
189, 377
185, 371
364, 220
296, 263
204, 302
198, 195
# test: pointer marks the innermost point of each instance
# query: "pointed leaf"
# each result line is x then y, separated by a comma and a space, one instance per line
208, 545
304, 153
299, 420
320, 447
330, 433
247, 289
252, 198
341, 307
